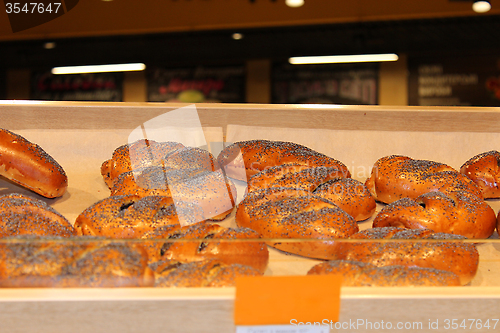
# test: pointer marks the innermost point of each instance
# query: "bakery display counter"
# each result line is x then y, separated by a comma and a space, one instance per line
80, 136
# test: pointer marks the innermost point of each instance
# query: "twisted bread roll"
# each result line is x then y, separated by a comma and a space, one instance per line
350, 195
207, 241
359, 274
144, 153
151, 181
300, 176
23, 215
207, 273
484, 170
294, 213
211, 191
412, 247
131, 216
458, 212
327, 182
395, 177
72, 263
243, 159
28, 165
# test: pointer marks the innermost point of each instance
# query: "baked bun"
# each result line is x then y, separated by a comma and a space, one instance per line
459, 213
484, 170
28, 165
359, 274
412, 247
207, 241
212, 191
72, 263
348, 194
243, 159
131, 216
207, 273
293, 213
395, 177
23, 215
139, 154
300, 176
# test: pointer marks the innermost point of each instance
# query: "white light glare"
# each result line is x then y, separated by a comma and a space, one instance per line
49, 45
237, 36
99, 68
294, 3
481, 6
343, 59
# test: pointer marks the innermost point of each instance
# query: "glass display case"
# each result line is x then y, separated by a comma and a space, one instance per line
81, 136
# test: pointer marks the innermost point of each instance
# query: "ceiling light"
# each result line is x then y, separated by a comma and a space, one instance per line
343, 59
237, 36
49, 45
294, 3
99, 68
481, 6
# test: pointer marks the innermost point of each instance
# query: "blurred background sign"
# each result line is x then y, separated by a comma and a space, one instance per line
197, 84
106, 87
340, 84
454, 81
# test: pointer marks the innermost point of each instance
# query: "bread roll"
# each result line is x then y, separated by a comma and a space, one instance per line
137, 155
395, 177
72, 263
348, 194
23, 215
484, 170
207, 273
207, 241
212, 191
243, 159
412, 247
359, 274
457, 212
284, 213
131, 216
28, 165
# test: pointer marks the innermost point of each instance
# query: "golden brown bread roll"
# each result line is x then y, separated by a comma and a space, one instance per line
131, 216
212, 191
23, 215
348, 194
72, 263
207, 273
395, 177
28, 165
305, 177
207, 241
243, 159
412, 247
484, 170
294, 213
458, 212
144, 153
359, 274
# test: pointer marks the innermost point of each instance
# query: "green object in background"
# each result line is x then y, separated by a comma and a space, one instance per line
191, 96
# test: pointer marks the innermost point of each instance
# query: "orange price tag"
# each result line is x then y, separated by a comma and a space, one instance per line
285, 300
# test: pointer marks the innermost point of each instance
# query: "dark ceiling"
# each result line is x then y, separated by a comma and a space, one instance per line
413, 37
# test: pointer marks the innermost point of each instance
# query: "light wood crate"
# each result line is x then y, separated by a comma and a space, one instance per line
97, 128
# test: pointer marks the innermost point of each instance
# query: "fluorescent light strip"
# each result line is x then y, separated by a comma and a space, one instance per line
98, 68
343, 59
481, 6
